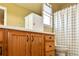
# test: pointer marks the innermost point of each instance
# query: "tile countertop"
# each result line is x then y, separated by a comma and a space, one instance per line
22, 29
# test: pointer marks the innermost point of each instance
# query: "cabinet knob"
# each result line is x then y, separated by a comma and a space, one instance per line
32, 40
27, 40
50, 38
50, 46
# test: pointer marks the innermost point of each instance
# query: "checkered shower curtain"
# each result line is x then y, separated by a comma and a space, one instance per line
66, 27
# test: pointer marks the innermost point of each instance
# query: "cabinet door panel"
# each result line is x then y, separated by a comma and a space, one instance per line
1, 35
1, 42
37, 45
17, 43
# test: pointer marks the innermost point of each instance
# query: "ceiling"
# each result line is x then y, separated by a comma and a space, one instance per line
34, 7
59, 6
37, 7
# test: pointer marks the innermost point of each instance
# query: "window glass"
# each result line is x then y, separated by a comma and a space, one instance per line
46, 19
47, 14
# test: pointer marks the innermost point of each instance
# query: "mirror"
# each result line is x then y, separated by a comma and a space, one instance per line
2, 15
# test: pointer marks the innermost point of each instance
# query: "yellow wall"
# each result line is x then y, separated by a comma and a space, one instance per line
15, 14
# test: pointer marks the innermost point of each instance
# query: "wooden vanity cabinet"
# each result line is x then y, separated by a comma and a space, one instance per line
26, 43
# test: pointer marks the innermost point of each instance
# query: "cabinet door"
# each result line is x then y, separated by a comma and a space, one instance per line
18, 43
37, 23
1, 41
37, 44
1, 35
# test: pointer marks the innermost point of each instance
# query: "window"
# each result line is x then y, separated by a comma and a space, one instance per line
47, 14
47, 8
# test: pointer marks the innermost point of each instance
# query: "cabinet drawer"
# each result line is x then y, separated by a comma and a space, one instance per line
49, 38
49, 46
50, 53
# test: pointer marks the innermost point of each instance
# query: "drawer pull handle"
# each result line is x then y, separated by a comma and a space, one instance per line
32, 39
50, 46
49, 37
27, 38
